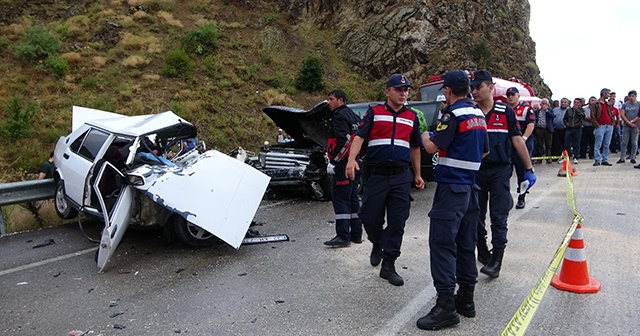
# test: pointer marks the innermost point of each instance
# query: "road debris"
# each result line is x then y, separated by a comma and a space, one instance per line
46, 242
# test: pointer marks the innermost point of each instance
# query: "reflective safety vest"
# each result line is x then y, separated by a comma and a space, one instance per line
343, 124
499, 139
460, 162
389, 137
522, 113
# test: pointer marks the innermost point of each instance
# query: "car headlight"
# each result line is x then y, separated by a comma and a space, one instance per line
262, 158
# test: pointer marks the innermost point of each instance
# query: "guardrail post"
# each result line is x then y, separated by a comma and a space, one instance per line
2, 229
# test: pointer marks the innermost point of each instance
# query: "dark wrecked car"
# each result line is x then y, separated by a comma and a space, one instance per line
302, 163
142, 170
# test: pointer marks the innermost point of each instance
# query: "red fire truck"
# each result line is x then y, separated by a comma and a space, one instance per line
431, 90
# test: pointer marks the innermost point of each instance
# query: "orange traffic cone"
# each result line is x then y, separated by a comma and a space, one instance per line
574, 275
566, 166
569, 167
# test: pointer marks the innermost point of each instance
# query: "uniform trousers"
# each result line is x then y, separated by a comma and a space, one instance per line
494, 190
346, 204
391, 194
453, 236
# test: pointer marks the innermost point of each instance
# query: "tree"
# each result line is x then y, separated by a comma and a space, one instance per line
310, 76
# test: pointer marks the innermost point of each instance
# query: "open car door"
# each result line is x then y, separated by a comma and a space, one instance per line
116, 201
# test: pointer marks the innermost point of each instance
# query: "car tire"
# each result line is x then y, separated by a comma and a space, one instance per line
192, 234
63, 208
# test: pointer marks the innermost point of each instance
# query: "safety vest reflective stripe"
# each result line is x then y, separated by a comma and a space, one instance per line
354, 215
497, 130
382, 142
343, 216
405, 121
389, 118
378, 117
446, 161
468, 110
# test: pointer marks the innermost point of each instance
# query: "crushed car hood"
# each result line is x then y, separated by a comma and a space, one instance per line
301, 124
215, 192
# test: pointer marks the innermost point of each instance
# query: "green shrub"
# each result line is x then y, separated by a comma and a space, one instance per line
482, 55
37, 43
163, 5
177, 63
518, 33
20, 115
531, 65
212, 64
60, 28
265, 56
3, 44
92, 82
247, 72
103, 102
280, 81
58, 65
310, 76
203, 40
176, 108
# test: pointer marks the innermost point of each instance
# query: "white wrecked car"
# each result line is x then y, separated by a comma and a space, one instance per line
140, 170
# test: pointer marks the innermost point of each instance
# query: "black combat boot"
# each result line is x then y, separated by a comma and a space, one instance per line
375, 256
442, 315
464, 301
492, 269
521, 203
388, 271
483, 251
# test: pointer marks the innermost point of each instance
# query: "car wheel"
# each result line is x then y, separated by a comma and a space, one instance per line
63, 208
192, 234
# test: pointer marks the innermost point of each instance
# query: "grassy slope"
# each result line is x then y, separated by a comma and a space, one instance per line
257, 59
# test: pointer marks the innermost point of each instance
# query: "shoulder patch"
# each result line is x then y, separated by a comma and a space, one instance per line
443, 123
499, 107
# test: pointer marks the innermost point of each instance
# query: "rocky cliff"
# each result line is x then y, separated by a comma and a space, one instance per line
422, 38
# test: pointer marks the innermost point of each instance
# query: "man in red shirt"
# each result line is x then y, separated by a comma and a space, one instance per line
602, 119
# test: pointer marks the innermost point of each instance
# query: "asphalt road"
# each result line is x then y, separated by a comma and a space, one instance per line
300, 287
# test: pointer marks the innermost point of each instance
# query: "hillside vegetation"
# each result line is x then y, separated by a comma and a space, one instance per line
215, 63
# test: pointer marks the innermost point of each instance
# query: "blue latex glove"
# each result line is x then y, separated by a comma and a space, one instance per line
531, 177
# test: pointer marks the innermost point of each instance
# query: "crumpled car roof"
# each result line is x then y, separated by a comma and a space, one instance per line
131, 125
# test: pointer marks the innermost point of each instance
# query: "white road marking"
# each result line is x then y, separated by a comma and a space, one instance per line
47, 261
397, 322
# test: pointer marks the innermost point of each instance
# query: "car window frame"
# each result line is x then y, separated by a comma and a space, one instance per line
91, 154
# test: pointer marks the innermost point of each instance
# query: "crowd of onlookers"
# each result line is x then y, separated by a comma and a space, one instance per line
587, 129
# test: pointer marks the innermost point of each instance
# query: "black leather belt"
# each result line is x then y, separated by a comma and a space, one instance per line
386, 170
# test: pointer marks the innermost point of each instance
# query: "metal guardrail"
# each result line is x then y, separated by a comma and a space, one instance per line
25, 191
